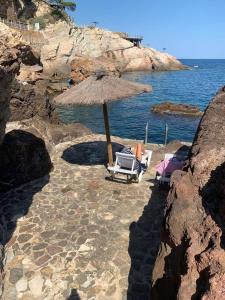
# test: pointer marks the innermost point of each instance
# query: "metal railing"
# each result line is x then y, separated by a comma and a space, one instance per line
134, 37
166, 132
20, 25
14, 24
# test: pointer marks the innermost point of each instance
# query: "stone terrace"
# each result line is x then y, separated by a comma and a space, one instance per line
76, 235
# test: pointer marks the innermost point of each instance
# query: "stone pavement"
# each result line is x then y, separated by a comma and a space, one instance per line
76, 235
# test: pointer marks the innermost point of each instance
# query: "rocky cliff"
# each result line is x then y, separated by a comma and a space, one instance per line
29, 95
23, 9
49, 55
63, 47
61, 42
191, 260
9, 66
66, 42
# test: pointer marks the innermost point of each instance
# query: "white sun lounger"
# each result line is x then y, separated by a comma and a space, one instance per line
125, 164
165, 178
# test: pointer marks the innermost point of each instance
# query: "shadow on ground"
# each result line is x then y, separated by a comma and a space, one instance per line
74, 295
15, 204
89, 153
23, 159
144, 244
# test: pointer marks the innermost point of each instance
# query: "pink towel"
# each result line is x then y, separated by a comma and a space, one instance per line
168, 166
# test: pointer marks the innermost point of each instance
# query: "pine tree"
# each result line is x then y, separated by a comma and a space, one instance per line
64, 4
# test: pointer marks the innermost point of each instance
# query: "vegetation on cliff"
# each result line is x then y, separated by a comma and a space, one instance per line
63, 4
44, 12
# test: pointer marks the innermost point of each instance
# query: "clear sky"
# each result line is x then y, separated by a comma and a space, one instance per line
187, 29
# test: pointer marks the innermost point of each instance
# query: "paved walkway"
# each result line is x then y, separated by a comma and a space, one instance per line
76, 235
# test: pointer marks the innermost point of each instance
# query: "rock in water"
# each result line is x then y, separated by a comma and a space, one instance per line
191, 259
176, 109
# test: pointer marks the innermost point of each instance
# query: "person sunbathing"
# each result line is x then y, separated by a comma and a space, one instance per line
138, 152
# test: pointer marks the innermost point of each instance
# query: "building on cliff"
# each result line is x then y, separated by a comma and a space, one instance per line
136, 41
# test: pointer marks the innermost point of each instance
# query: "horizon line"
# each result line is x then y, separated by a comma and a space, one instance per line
204, 58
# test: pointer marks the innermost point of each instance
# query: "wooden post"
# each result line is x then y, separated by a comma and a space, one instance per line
107, 132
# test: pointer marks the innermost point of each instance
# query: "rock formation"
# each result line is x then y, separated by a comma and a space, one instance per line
191, 259
83, 67
23, 157
51, 133
176, 109
51, 51
29, 90
65, 42
9, 66
29, 100
25, 9
16, 146
59, 43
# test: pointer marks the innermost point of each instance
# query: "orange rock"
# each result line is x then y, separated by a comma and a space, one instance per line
83, 67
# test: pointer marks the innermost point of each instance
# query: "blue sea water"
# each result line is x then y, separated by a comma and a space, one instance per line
128, 117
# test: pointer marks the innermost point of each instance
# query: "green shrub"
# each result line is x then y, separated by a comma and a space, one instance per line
49, 18
42, 20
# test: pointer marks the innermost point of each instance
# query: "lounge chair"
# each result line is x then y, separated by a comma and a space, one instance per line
125, 164
165, 175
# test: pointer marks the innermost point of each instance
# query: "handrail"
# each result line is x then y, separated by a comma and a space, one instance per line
18, 25
138, 37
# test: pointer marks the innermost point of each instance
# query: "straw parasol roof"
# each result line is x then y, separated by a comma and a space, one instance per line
99, 90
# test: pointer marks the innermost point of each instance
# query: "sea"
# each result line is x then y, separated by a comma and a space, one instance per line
129, 117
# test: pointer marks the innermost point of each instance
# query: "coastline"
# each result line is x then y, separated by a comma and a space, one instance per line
120, 140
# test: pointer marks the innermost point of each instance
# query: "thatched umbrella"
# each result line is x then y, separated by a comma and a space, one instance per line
101, 89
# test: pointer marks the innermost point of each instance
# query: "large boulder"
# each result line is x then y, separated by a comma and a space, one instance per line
23, 158
30, 100
191, 259
83, 67
30, 74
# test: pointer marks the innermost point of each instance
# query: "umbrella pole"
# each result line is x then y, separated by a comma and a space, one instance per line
107, 132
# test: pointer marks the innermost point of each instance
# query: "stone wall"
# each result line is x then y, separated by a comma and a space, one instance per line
191, 259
